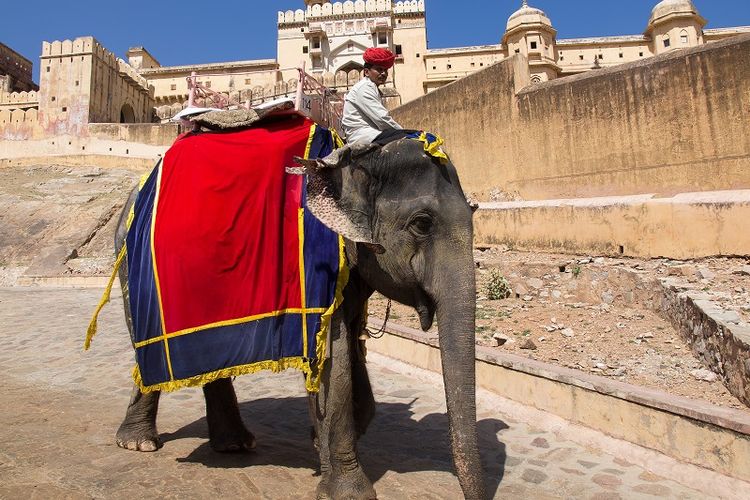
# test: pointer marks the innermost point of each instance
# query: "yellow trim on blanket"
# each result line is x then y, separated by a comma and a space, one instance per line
312, 382
302, 285
235, 371
338, 142
156, 276
229, 322
301, 249
141, 182
310, 138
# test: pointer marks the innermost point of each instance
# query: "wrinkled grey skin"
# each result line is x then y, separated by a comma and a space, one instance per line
409, 236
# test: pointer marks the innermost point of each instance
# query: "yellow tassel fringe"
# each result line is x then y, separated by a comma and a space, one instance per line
235, 371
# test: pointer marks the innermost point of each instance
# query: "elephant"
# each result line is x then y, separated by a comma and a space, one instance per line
408, 234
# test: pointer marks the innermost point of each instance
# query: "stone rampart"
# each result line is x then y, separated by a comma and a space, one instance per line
19, 99
673, 123
16, 71
349, 7
134, 140
151, 134
19, 124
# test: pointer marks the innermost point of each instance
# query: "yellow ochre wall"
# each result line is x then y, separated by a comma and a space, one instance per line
669, 124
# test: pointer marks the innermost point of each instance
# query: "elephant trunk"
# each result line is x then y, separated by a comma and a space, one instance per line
456, 322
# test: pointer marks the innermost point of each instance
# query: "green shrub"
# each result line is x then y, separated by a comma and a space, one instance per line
497, 286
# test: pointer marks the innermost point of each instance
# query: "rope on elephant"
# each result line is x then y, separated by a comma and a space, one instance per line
381, 332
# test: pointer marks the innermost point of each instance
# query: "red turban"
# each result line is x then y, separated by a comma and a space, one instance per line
379, 57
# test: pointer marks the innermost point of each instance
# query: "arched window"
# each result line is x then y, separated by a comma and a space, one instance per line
684, 38
127, 114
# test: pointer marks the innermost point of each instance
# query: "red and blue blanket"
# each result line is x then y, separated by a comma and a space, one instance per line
228, 273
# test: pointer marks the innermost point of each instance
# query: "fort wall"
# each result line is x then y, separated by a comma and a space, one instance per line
13, 100
82, 82
15, 71
669, 124
146, 141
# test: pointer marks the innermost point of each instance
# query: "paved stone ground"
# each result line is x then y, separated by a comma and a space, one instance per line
60, 408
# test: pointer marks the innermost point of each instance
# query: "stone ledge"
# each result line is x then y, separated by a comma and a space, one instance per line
66, 281
692, 431
82, 160
645, 226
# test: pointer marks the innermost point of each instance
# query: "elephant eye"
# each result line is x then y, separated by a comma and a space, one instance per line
421, 224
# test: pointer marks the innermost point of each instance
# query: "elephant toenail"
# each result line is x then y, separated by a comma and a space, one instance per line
148, 446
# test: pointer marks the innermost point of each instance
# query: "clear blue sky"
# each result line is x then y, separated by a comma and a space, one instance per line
191, 32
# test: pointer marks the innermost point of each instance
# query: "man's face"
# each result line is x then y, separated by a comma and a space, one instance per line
377, 74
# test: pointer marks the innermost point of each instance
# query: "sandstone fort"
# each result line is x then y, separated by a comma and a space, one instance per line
81, 82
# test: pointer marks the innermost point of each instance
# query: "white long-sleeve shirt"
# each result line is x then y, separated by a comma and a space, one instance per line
365, 117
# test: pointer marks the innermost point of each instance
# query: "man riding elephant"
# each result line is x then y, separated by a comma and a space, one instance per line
365, 118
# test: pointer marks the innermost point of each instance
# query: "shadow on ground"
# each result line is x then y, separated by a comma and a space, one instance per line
394, 442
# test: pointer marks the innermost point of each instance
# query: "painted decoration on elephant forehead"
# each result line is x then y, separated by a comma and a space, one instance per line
228, 273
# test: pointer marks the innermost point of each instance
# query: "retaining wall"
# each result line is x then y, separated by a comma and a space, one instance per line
686, 226
719, 340
673, 123
692, 431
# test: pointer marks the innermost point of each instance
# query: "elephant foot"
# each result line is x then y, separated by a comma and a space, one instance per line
352, 485
138, 437
232, 441
226, 431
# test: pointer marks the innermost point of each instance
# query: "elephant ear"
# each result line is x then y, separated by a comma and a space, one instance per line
338, 189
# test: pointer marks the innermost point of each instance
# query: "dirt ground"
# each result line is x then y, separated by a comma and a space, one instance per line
599, 315
59, 220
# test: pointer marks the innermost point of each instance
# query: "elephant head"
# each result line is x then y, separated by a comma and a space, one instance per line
412, 226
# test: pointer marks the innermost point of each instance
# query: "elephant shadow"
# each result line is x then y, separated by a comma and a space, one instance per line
395, 441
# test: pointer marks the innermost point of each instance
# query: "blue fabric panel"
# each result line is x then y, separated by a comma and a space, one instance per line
321, 252
313, 325
236, 345
322, 143
321, 262
153, 357
144, 301
321, 244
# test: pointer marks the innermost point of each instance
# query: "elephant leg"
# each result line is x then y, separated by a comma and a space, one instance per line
226, 431
342, 474
138, 431
312, 405
363, 402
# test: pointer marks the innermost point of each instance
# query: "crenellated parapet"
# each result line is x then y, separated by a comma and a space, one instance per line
360, 8
17, 117
89, 46
66, 48
409, 7
19, 98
